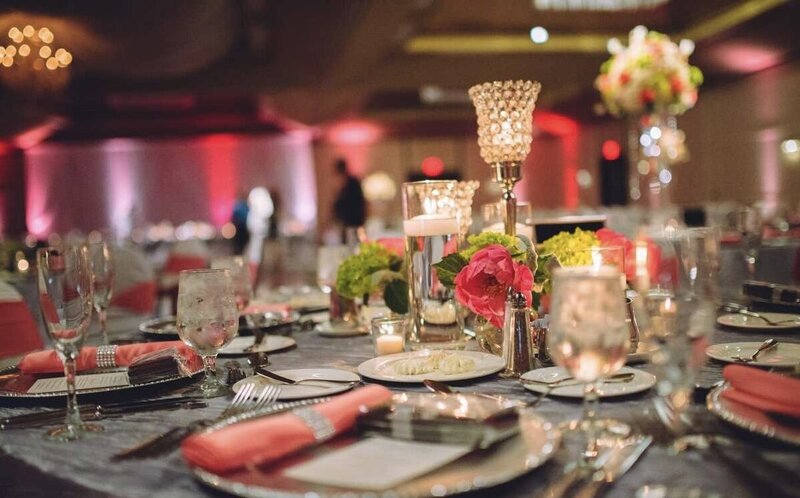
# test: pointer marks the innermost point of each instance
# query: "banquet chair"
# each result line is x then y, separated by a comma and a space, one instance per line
184, 255
18, 330
544, 229
135, 289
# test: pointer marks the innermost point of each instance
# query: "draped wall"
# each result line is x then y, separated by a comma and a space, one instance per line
119, 184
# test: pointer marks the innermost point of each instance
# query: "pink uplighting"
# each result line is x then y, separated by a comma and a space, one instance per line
221, 174
354, 133
746, 59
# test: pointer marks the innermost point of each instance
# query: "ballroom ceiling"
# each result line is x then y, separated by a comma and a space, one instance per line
156, 67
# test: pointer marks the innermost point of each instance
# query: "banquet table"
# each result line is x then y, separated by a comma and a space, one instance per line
751, 467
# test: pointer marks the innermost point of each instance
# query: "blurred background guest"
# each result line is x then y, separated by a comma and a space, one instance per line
239, 220
350, 207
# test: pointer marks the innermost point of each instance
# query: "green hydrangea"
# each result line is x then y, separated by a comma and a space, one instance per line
354, 278
480, 240
571, 249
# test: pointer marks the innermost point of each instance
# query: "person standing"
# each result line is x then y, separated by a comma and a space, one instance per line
239, 220
350, 207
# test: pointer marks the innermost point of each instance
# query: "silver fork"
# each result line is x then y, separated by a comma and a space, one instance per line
241, 403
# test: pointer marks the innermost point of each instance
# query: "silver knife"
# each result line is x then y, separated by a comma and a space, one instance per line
620, 461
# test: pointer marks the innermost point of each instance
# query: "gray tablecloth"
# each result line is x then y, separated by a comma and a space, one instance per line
32, 466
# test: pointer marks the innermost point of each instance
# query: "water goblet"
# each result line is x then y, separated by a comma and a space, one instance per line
102, 265
240, 276
65, 296
588, 336
207, 319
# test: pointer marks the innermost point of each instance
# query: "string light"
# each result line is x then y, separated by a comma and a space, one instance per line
29, 41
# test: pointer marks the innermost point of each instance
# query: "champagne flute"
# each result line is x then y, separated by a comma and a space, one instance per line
240, 276
65, 296
102, 265
589, 337
207, 319
747, 222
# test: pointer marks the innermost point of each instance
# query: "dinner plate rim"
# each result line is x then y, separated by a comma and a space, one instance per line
361, 330
755, 344
102, 390
289, 343
716, 404
721, 320
333, 390
651, 381
547, 449
418, 379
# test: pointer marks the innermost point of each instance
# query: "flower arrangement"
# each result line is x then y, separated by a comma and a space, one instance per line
483, 271
375, 268
651, 75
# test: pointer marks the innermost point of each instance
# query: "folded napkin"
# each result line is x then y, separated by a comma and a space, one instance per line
270, 438
48, 361
763, 390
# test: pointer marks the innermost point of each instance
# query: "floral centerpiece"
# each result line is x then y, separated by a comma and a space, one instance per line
651, 75
374, 271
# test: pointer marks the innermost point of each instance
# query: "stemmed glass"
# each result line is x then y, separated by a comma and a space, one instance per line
207, 319
589, 337
102, 266
747, 222
680, 317
240, 276
65, 296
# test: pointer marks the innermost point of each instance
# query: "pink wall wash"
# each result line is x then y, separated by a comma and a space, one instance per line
120, 184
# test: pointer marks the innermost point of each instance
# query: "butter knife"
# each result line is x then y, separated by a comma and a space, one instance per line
620, 461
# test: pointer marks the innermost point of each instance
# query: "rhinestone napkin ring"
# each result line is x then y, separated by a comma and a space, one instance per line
321, 427
106, 356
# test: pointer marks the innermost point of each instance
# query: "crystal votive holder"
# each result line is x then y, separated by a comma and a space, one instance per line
389, 335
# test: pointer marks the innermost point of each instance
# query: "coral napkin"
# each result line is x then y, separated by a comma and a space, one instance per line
139, 298
270, 438
763, 390
18, 331
49, 362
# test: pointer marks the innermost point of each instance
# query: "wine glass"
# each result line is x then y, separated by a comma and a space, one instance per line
680, 318
589, 337
102, 265
747, 222
207, 319
240, 276
65, 296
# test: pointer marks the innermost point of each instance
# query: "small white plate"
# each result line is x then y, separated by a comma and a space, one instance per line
785, 354
642, 381
740, 321
330, 330
381, 367
305, 390
270, 344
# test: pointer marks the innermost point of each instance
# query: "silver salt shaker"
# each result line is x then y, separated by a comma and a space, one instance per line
517, 346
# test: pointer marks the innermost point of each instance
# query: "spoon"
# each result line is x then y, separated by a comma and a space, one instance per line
769, 343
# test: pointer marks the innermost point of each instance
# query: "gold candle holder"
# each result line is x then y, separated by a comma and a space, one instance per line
505, 133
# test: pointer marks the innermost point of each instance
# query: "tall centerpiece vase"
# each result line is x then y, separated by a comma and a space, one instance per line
432, 231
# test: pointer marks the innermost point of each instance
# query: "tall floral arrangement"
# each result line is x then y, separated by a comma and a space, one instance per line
651, 75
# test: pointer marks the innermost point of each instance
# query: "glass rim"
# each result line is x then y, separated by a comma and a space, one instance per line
429, 182
388, 319
595, 271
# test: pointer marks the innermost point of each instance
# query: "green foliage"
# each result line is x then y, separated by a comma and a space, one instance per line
395, 295
356, 276
571, 249
448, 268
478, 241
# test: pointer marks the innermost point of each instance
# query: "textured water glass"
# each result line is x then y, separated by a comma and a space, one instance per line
102, 264
432, 231
588, 336
208, 319
66, 299
680, 318
328, 260
240, 277
505, 119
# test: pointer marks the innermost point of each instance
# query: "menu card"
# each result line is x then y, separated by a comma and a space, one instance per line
376, 463
88, 381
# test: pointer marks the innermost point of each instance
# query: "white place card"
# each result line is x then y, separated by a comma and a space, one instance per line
88, 381
376, 463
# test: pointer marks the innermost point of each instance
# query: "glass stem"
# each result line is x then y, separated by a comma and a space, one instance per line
210, 367
750, 259
72, 421
103, 314
590, 405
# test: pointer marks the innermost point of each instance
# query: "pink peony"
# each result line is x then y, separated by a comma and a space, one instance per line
481, 286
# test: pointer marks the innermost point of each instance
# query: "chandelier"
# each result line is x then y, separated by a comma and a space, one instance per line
597, 5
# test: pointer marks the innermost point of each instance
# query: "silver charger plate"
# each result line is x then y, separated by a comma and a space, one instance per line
164, 327
532, 447
751, 419
23, 394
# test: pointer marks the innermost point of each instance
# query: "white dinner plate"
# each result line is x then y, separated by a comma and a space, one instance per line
305, 390
382, 367
330, 330
740, 321
785, 354
270, 344
751, 419
642, 381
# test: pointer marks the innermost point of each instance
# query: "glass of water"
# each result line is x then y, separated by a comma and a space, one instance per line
240, 276
207, 319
